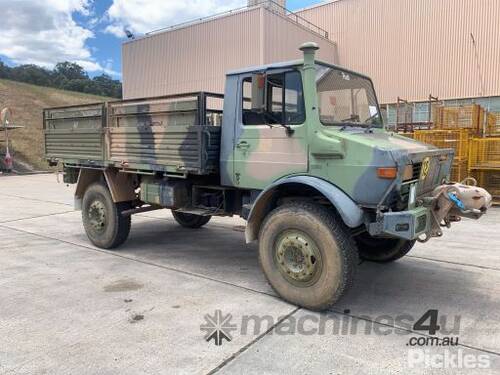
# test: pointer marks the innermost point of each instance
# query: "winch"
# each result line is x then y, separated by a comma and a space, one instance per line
452, 201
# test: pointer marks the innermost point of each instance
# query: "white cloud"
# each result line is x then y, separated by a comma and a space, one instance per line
92, 66
44, 33
141, 16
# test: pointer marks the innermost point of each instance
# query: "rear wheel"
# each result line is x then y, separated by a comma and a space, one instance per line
307, 255
190, 220
382, 250
102, 219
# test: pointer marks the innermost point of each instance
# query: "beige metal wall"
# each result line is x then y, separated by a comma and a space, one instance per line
415, 47
282, 38
190, 58
196, 57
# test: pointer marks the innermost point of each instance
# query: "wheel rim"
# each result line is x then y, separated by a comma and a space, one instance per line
298, 258
97, 216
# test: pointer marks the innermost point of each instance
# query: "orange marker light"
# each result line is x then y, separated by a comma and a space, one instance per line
387, 172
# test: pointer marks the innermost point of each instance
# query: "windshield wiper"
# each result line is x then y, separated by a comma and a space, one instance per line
354, 124
353, 117
370, 119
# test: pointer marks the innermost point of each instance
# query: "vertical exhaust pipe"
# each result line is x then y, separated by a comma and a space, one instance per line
309, 50
309, 81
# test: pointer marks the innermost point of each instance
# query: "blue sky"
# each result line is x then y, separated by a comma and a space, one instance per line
90, 32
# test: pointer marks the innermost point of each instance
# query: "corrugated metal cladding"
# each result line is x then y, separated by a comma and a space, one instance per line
283, 37
412, 48
196, 57
191, 58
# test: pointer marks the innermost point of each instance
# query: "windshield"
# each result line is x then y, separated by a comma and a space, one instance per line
346, 98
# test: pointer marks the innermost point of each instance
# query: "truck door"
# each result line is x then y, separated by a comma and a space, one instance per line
271, 142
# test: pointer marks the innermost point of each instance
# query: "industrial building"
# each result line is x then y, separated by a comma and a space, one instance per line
447, 48
195, 56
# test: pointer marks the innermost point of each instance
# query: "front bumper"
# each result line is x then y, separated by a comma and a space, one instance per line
404, 224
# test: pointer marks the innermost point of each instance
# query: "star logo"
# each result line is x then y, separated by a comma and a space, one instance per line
218, 327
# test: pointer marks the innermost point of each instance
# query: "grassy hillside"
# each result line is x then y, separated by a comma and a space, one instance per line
27, 103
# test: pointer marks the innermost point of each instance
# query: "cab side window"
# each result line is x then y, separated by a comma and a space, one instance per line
284, 100
275, 87
294, 99
250, 117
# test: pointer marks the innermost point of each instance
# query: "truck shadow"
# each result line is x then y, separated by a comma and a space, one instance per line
219, 252
213, 251
415, 285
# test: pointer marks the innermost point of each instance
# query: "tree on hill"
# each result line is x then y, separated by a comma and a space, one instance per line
71, 71
108, 86
31, 74
65, 75
4, 70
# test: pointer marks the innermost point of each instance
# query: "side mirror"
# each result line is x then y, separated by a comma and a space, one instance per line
259, 92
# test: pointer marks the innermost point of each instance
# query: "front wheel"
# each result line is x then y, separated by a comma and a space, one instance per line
190, 220
104, 224
307, 255
382, 250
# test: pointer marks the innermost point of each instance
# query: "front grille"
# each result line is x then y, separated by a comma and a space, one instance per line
417, 168
424, 186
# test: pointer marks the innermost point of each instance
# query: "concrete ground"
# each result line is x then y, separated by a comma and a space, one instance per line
68, 307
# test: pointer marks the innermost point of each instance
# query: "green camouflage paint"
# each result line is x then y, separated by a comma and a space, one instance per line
346, 157
164, 135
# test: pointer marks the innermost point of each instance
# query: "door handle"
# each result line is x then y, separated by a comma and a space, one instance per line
243, 145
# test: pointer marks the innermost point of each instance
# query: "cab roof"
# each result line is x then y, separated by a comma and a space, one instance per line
261, 68
287, 64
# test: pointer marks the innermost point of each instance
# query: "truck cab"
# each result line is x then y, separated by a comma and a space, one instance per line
298, 149
311, 120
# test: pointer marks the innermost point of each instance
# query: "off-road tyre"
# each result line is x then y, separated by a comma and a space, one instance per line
190, 220
115, 229
382, 250
336, 262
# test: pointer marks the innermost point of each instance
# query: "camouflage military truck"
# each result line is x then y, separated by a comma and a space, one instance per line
298, 149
